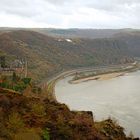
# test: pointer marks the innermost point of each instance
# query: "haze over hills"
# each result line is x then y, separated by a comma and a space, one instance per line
75, 32
48, 55
83, 33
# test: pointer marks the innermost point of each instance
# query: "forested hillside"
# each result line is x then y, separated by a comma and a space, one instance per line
26, 118
32, 115
47, 55
132, 40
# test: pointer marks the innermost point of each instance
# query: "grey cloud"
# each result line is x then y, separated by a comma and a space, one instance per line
111, 5
56, 2
14, 7
30, 8
73, 13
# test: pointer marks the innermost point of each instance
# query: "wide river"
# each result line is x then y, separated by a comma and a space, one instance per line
118, 98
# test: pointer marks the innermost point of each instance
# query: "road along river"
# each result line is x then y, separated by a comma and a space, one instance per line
117, 97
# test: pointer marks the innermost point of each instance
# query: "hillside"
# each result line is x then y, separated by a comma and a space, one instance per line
47, 55
29, 116
26, 118
132, 39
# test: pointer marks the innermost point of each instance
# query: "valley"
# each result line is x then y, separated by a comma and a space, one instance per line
47, 59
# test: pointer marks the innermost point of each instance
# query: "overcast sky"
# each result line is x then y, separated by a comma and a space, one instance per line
70, 13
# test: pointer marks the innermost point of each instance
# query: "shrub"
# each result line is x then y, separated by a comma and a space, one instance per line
27, 136
38, 109
15, 123
46, 135
14, 77
26, 80
19, 87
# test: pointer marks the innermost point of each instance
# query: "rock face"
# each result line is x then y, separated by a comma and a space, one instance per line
30, 118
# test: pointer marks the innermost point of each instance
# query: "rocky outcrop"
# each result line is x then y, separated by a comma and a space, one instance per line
27, 116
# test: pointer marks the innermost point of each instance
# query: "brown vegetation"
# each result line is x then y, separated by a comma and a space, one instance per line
28, 118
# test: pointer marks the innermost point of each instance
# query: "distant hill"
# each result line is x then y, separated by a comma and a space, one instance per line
132, 40
82, 33
75, 32
48, 55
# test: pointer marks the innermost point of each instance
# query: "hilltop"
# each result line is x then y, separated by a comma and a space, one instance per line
76, 32
83, 33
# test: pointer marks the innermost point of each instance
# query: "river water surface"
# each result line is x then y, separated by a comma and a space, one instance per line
118, 98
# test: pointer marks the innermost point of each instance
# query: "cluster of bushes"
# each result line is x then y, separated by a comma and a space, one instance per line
15, 82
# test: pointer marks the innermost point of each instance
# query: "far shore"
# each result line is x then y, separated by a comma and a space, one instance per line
107, 75
99, 77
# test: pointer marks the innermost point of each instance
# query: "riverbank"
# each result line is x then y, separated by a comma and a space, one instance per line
105, 72
98, 77
117, 98
106, 75
63, 118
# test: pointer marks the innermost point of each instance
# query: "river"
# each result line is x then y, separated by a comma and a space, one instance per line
118, 98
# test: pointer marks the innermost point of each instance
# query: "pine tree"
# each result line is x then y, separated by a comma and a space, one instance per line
14, 77
2, 61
